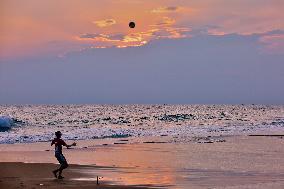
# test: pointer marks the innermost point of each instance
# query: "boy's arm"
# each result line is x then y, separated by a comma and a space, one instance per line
68, 145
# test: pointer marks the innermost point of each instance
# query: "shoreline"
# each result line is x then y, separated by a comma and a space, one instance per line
216, 131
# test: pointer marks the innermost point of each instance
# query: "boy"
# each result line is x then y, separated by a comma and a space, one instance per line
58, 153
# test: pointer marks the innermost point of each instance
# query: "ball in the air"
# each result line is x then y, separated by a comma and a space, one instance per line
131, 24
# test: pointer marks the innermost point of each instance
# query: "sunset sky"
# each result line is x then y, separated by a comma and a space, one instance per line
181, 51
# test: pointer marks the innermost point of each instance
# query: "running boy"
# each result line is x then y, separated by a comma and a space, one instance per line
58, 154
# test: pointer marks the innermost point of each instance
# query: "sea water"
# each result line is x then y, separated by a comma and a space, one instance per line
35, 123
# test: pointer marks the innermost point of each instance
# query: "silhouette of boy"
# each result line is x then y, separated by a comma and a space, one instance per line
58, 154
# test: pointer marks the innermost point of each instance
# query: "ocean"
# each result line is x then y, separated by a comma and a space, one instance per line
36, 123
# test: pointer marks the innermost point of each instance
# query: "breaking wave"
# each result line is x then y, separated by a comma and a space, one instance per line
6, 123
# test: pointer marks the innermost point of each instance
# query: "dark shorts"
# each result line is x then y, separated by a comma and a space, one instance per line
61, 159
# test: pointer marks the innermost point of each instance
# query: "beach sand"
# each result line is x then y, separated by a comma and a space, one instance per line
222, 162
38, 175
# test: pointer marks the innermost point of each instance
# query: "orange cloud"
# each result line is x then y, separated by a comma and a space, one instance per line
166, 21
166, 9
163, 28
105, 23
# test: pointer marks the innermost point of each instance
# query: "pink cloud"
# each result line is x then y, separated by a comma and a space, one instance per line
273, 43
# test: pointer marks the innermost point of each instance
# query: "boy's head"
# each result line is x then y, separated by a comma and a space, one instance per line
58, 134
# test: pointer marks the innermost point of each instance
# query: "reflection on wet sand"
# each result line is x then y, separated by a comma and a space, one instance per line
133, 164
231, 163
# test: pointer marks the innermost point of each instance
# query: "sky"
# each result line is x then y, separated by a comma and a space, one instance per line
180, 52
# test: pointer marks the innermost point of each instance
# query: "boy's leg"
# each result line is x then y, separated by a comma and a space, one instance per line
63, 166
55, 172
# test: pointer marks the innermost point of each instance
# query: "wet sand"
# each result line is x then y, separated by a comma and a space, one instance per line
38, 175
210, 162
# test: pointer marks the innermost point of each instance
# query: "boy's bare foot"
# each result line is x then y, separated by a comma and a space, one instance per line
54, 173
60, 177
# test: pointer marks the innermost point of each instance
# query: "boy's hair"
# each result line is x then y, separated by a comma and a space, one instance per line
58, 133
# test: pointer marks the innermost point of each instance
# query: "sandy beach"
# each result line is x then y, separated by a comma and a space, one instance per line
229, 162
37, 175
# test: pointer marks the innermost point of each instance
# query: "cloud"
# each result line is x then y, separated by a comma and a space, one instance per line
114, 40
270, 42
134, 39
94, 36
116, 36
166, 9
166, 21
89, 36
273, 42
163, 29
105, 23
